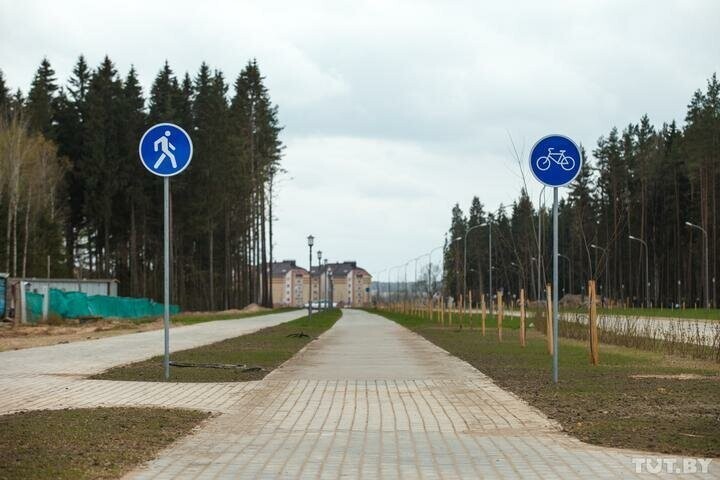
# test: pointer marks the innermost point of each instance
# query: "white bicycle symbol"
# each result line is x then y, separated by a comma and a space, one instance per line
565, 162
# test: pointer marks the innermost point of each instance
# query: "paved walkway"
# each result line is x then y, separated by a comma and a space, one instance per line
371, 399
52, 377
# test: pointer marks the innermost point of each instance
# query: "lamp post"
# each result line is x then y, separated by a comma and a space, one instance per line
456, 239
605, 254
569, 279
310, 241
520, 274
539, 242
490, 267
429, 254
705, 247
647, 270
326, 284
465, 255
378, 290
319, 255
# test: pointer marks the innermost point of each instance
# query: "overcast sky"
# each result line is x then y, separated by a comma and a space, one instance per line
393, 110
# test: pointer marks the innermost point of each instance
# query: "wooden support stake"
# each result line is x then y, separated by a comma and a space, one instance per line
549, 319
499, 314
592, 323
522, 317
483, 312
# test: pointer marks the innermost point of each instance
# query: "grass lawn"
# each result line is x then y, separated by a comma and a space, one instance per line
87, 443
267, 348
602, 405
685, 314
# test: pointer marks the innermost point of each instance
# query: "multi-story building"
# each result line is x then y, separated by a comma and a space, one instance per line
289, 284
346, 283
349, 284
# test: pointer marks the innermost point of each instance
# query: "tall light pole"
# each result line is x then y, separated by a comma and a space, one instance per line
311, 241
605, 254
647, 270
456, 239
539, 242
326, 284
490, 267
465, 255
319, 255
429, 254
378, 290
569, 269
705, 247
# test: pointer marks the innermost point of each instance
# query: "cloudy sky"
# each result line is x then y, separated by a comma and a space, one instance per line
396, 110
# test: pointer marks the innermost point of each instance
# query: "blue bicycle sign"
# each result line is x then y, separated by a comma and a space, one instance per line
555, 160
566, 162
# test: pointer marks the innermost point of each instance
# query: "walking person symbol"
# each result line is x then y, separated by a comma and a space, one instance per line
165, 147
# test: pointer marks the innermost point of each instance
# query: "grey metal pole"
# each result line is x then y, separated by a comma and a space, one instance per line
166, 274
539, 257
647, 277
556, 313
310, 288
707, 277
490, 264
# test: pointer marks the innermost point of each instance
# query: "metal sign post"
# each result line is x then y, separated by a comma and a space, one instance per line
166, 150
555, 161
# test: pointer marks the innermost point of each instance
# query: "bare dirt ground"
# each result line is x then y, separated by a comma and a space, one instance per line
16, 337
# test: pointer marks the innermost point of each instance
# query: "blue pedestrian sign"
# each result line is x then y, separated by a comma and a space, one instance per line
165, 149
555, 160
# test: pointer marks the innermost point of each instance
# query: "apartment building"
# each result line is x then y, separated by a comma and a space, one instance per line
347, 284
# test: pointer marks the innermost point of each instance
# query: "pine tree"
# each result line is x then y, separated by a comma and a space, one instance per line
40, 99
101, 162
4, 95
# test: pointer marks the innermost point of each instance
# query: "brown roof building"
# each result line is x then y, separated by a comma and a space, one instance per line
346, 283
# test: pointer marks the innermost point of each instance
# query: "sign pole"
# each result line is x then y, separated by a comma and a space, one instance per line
166, 273
556, 310
165, 150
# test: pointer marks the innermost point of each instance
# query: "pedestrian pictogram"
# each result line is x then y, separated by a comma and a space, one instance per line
166, 149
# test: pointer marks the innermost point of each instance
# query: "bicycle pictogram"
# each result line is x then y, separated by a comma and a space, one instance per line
566, 162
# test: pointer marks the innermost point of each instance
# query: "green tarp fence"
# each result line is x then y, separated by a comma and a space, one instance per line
78, 304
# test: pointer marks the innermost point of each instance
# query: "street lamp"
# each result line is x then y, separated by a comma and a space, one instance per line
319, 255
647, 270
465, 255
605, 254
569, 279
539, 240
311, 241
705, 247
456, 239
429, 254
326, 284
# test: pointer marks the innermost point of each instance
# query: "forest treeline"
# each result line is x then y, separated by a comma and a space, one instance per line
642, 181
78, 203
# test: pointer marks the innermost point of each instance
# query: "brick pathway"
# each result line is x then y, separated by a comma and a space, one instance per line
52, 377
371, 399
